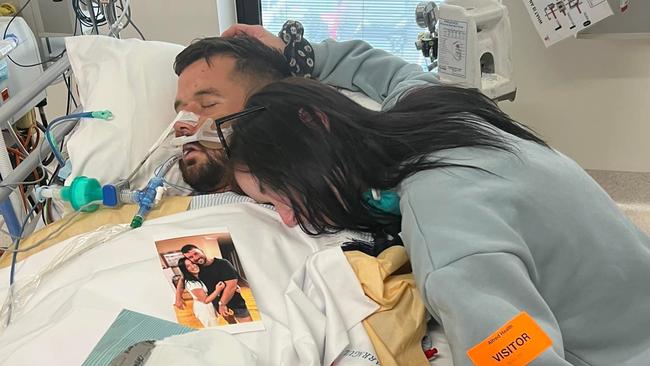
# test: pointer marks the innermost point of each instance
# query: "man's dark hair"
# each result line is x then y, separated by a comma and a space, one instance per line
186, 248
254, 60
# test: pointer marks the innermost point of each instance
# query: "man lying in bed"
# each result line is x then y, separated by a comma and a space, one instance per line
238, 66
215, 75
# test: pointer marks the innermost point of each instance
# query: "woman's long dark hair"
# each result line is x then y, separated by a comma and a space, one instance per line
322, 150
187, 275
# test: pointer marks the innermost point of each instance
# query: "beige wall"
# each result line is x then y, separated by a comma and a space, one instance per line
589, 98
176, 21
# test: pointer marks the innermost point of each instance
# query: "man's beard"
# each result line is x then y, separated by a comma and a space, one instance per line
204, 175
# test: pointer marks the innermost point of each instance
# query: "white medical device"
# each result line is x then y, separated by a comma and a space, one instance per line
22, 46
469, 43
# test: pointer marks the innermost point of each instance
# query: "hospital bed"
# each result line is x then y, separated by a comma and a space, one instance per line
69, 291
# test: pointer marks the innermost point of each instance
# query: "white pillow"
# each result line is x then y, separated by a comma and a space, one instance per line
135, 80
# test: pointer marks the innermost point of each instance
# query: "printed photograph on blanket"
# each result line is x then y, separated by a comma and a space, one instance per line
207, 282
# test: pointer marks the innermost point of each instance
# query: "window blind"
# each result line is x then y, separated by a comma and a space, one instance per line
386, 24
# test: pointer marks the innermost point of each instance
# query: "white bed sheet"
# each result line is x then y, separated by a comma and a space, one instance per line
75, 305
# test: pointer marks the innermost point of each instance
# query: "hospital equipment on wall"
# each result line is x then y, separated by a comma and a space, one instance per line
469, 43
20, 44
24, 76
48, 18
25, 91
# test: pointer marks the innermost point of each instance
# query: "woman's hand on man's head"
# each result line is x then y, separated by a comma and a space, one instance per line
255, 31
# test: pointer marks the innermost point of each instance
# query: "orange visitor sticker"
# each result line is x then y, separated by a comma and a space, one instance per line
516, 343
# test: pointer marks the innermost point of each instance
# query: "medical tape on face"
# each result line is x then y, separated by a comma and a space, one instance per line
205, 131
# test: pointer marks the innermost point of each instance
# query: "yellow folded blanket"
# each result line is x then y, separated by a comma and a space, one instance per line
397, 328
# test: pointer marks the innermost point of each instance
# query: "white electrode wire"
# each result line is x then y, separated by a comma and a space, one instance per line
117, 26
161, 139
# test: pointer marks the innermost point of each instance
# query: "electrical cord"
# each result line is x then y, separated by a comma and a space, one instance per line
43, 127
43, 212
117, 26
40, 126
14, 249
50, 158
67, 103
54, 175
41, 112
27, 142
86, 20
129, 19
16, 244
67, 82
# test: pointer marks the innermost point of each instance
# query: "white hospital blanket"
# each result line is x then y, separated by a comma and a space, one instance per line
74, 306
325, 301
322, 304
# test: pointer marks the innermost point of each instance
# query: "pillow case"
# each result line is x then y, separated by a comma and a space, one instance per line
135, 80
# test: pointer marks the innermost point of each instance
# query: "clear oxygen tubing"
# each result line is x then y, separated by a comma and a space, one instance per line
161, 140
117, 26
151, 195
105, 115
23, 289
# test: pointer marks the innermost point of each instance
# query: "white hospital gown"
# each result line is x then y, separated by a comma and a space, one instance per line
204, 312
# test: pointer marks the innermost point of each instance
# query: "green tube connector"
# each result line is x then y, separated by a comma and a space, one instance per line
106, 115
136, 222
82, 192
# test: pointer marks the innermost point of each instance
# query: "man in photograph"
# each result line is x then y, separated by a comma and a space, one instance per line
212, 271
